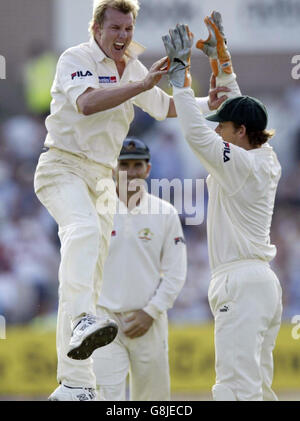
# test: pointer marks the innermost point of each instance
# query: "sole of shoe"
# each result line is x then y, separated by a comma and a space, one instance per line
101, 337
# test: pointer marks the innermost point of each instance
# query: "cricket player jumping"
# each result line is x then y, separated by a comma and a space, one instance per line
95, 87
244, 293
143, 274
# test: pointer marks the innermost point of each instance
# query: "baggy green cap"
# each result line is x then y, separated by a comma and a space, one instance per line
134, 149
244, 110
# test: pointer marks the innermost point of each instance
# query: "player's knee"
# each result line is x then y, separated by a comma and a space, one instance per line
222, 392
87, 233
93, 228
89, 228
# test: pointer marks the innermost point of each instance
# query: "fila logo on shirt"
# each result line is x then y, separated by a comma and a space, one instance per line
226, 152
81, 74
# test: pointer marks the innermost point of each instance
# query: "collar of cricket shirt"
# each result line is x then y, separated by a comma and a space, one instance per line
266, 147
133, 51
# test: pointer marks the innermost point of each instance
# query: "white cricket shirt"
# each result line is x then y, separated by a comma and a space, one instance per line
242, 186
146, 265
99, 136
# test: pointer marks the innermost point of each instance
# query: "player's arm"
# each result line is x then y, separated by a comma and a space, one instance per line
173, 267
95, 100
223, 82
160, 105
208, 103
230, 167
228, 163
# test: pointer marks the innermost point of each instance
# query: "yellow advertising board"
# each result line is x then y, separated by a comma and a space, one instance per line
28, 360
191, 353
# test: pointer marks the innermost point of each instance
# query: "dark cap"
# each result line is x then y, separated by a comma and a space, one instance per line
242, 110
134, 149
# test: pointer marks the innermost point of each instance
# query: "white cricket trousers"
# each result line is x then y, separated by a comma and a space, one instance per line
145, 359
67, 185
245, 299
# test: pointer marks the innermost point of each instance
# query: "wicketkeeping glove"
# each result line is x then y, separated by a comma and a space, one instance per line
215, 45
178, 46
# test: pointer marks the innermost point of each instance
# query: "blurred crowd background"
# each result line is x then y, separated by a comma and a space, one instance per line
32, 37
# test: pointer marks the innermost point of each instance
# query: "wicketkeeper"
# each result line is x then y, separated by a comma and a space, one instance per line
244, 293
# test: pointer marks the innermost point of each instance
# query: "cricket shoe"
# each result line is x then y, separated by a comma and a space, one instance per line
67, 393
215, 46
89, 334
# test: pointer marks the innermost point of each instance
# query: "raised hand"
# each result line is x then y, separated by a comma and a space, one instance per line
178, 45
214, 102
215, 46
157, 70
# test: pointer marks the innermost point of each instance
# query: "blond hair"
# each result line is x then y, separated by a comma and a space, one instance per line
100, 7
257, 137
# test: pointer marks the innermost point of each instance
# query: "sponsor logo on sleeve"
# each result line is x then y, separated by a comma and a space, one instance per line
178, 240
107, 79
226, 152
81, 74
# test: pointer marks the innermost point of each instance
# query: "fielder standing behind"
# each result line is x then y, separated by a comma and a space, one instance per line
244, 293
95, 87
143, 274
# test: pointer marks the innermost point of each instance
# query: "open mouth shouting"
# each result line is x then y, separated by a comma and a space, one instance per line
119, 46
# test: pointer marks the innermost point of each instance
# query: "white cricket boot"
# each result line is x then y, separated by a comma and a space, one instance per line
67, 393
91, 333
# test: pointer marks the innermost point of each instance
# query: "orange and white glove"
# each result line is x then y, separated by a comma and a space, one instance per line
178, 46
215, 46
